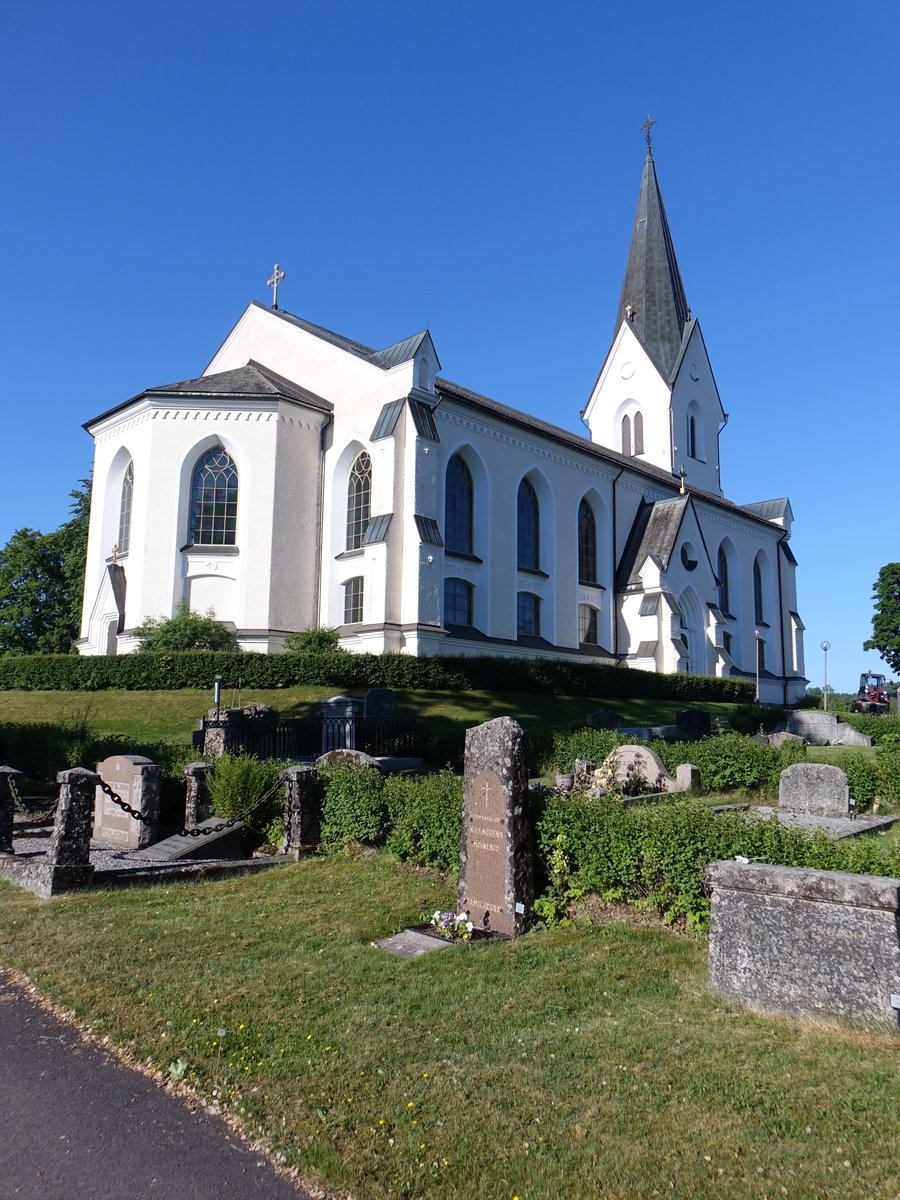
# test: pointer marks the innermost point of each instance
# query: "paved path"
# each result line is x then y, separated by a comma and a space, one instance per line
76, 1123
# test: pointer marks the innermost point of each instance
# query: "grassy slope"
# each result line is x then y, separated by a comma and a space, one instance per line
573, 1062
172, 716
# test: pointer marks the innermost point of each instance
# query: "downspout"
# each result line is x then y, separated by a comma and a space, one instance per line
719, 453
781, 622
615, 563
320, 508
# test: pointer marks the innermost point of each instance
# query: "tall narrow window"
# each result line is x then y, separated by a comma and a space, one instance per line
639, 433
457, 602
626, 436
125, 509
722, 572
359, 494
587, 625
353, 601
692, 437
528, 615
528, 528
214, 495
758, 612
761, 651
458, 507
587, 544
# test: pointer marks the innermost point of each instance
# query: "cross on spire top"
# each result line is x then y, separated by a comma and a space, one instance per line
273, 283
646, 127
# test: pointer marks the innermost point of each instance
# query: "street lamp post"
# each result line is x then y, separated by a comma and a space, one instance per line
826, 646
217, 693
758, 636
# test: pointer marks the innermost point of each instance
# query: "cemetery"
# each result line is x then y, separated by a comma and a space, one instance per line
776, 883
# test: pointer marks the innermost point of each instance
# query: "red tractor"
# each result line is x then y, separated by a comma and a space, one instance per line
871, 697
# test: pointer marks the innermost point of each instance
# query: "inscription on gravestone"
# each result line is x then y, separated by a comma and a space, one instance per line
136, 780
496, 875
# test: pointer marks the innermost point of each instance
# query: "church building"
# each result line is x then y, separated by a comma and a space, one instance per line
305, 479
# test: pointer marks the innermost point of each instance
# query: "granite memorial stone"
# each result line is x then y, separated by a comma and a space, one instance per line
496, 878
136, 780
815, 788
380, 704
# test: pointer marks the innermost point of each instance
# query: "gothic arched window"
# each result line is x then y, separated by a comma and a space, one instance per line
528, 528
125, 509
214, 496
587, 625
626, 436
692, 437
758, 608
587, 544
458, 507
722, 572
353, 601
359, 498
639, 433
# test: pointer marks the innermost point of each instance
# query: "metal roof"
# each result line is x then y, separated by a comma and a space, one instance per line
387, 420
376, 530
429, 530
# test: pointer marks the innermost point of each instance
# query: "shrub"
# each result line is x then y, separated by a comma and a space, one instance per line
322, 640
654, 856
592, 744
878, 728
353, 806
425, 817
756, 718
237, 781
726, 761
187, 630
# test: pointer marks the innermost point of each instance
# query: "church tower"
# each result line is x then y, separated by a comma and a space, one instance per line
656, 398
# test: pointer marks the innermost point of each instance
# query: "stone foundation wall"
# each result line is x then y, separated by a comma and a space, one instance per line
815, 943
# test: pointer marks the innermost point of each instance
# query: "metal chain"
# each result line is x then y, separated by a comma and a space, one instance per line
39, 818
196, 831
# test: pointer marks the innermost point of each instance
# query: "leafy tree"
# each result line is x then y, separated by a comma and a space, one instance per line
886, 618
35, 612
187, 630
42, 583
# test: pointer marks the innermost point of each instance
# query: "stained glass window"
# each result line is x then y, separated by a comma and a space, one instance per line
359, 494
528, 527
722, 572
125, 509
458, 507
214, 495
587, 544
457, 602
758, 614
353, 601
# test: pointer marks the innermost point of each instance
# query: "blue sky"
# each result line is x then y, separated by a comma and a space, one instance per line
473, 168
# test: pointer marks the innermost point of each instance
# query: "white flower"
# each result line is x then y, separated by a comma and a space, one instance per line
437, 915
463, 916
740, 858
469, 926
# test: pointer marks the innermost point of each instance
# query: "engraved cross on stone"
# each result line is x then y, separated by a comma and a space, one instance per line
273, 283
646, 127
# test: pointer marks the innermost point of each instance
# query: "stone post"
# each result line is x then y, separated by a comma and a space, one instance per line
69, 857
301, 809
197, 798
7, 808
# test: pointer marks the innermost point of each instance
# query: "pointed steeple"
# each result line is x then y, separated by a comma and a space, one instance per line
653, 296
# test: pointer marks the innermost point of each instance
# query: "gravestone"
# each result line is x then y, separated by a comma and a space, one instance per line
693, 723
197, 799
136, 780
339, 716
343, 758
302, 819
605, 718
632, 760
814, 788
380, 704
824, 729
496, 883
687, 777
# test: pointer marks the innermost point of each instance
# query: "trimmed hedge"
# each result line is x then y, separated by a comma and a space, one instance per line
197, 669
653, 857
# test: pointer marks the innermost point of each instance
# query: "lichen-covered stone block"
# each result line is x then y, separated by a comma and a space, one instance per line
816, 788
790, 939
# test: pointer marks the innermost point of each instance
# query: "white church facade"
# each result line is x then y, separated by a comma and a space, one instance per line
305, 480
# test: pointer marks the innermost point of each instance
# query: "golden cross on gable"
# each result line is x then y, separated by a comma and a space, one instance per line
273, 283
646, 127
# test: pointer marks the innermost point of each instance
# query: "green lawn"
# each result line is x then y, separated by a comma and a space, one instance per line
571, 1063
171, 716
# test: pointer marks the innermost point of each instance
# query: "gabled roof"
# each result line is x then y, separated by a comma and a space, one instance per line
652, 285
652, 535
402, 352
770, 510
250, 382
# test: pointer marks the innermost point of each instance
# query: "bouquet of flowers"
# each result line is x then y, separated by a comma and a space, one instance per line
455, 926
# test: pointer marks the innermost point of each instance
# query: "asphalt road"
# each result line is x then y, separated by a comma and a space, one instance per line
74, 1122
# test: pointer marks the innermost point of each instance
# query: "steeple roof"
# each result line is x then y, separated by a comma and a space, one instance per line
652, 285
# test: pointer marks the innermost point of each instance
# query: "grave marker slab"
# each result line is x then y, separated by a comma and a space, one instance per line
136, 780
815, 788
496, 882
224, 844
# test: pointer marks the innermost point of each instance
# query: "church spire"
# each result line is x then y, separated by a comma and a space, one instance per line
653, 296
